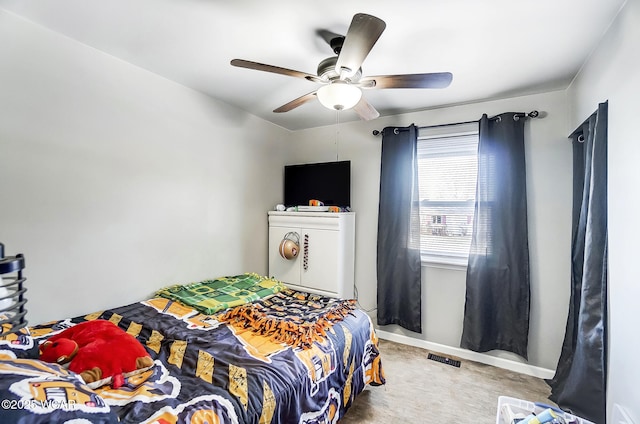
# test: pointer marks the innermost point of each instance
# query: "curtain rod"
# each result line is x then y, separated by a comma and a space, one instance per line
532, 114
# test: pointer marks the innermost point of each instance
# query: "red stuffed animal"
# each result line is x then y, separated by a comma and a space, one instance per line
96, 350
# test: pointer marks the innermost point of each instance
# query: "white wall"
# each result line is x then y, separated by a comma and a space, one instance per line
549, 201
613, 73
115, 182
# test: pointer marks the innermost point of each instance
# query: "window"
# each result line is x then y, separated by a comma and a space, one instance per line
447, 172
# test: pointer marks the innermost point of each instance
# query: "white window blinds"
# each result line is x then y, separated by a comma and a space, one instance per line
447, 172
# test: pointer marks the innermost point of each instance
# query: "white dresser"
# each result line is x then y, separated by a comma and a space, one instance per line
325, 263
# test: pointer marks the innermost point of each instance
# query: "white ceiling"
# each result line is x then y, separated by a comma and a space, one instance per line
494, 48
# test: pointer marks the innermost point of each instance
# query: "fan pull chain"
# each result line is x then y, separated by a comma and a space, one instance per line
337, 133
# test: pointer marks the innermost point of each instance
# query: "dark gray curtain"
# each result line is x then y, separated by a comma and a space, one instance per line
496, 312
399, 267
579, 384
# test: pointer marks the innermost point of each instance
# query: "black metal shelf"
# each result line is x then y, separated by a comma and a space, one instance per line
12, 316
11, 264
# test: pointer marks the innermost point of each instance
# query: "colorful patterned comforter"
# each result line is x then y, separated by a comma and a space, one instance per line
209, 371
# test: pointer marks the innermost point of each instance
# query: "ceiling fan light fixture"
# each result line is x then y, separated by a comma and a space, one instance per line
339, 95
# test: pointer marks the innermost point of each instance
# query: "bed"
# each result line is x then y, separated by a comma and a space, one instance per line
251, 356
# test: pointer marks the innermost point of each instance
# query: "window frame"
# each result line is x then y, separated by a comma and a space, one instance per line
447, 260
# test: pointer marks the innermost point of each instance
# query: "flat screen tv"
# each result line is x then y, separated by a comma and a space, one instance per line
329, 182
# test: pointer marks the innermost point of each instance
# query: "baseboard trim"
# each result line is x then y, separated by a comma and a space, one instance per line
507, 364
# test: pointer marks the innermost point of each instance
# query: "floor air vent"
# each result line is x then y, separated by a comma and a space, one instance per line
444, 360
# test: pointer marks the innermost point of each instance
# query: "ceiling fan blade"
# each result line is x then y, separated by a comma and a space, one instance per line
240, 63
295, 103
335, 41
365, 110
327, 35
433, 80
363, 33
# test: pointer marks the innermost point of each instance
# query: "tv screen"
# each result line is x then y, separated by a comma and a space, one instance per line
329, 182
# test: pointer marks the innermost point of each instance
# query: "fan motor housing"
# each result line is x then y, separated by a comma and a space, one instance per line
327, 70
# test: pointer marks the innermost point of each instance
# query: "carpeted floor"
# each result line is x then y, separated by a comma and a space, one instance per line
420, 390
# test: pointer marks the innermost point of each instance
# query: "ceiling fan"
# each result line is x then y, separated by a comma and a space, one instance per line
341, 75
